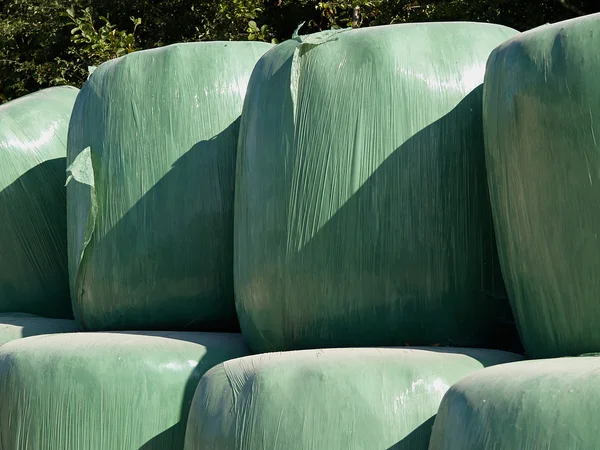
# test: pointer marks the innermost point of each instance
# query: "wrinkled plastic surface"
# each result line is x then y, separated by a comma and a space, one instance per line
33, 224
531, 405
100, 391
542, 123
334, 399
16, 326
362, 212
152, 148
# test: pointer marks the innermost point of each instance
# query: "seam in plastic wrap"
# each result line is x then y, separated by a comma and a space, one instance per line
306, 44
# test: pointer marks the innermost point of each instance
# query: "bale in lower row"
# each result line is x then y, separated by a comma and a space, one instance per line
101, 391
529, 405
334, 399
15, 326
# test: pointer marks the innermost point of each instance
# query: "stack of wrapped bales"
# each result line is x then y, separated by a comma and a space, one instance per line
151, 165
541, 121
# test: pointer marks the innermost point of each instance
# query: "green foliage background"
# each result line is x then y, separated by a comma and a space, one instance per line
51, 42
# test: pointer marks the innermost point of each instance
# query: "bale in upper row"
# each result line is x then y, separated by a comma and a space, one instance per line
33, 225
362, 214
542, 131
151, 149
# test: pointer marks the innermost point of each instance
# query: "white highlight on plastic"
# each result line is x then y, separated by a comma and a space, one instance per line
32, 144
178, 366
468, 79
438, 386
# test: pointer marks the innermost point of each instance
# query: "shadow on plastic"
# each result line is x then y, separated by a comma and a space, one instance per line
33, 245
177, 270
417, 439
431, 269
174, 437
15, 325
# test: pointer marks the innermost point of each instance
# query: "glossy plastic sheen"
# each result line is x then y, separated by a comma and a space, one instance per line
152, 148
100, 391
531, 405
542, 125
334, 399
33, 224
16, 326
362, 211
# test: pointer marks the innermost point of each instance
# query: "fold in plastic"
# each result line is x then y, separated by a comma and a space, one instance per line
33, 223
530, 405
362, 210
334, 399
151, 155
100, 391
542, 125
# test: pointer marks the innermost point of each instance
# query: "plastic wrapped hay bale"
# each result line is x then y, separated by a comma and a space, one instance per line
98, 391
542, 122
362, 212
16, 326
152, 148
33, 223
334, 399
549, 404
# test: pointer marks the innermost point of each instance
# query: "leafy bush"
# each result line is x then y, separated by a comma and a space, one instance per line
32, 46
92, 44
37, 48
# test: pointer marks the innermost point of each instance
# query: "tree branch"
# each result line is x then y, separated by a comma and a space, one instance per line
570, 7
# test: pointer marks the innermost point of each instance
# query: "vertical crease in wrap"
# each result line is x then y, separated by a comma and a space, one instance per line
306, 44
81, 170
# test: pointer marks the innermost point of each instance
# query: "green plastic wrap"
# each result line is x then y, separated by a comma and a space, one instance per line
104, 391
17, 325
334, 399
546, 404
151, 153
362, 212
542, 123
33, 224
